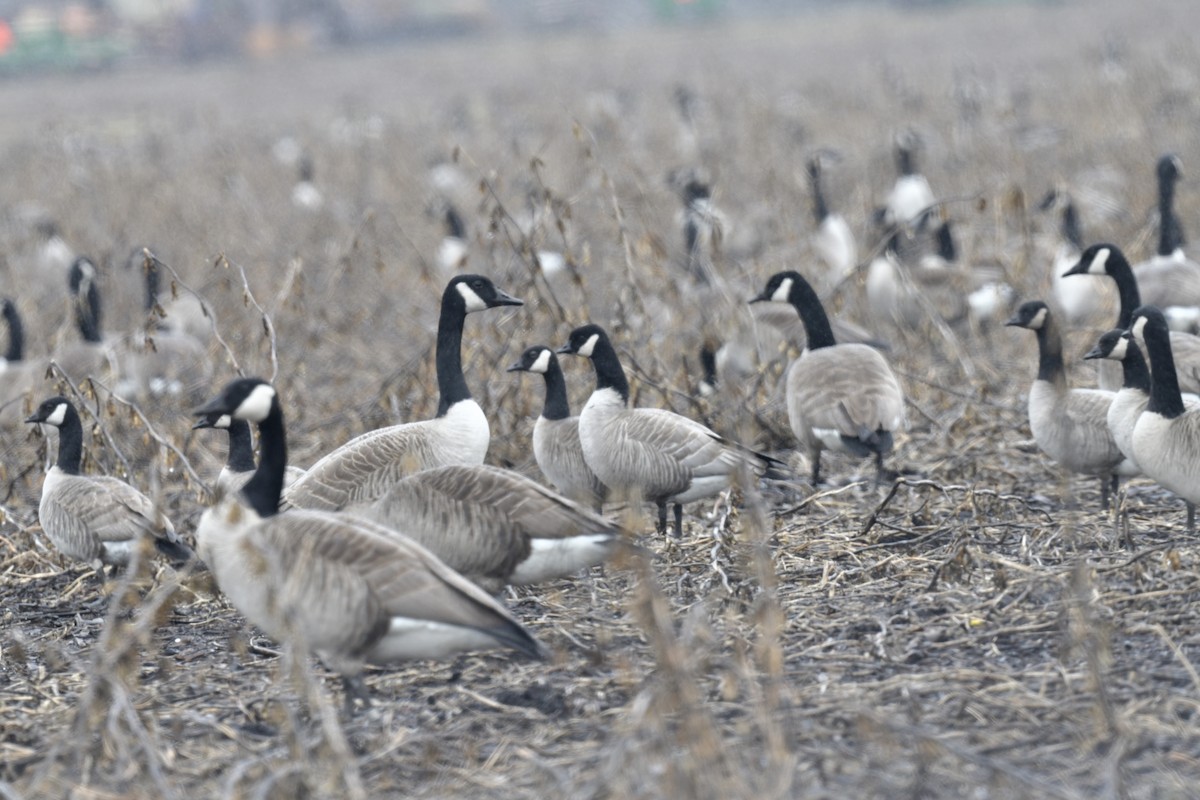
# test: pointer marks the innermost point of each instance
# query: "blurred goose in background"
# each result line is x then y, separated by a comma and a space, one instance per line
1166, 437
933, 283
364, 468
841, 397
833, 241
239, 463
17, 375
1107, 259
54, 255
172, 310
1170, 280
650, 454
495, 526
556, 444
452, 250
305, 194
1069, 425
703, 228
1082, 299
91, 356
96, 519
911, 200
348, 590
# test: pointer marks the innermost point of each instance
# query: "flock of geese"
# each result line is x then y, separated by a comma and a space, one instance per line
394, 545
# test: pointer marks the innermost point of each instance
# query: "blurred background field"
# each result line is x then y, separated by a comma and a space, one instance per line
979, 631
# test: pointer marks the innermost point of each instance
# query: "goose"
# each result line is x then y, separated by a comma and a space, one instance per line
181, 313
344, 588
1107, 259
362, 469
54, 255
896, 291
91, 356
654, 454
1069, 425
239, 463
556, 444
1166, 437
1079, 297
17, 375
703, 227
452, 251
1169, 279
305, 194
833, 240
911, 200
841, 397
162, 358
1132, 398
495, 526
96, 519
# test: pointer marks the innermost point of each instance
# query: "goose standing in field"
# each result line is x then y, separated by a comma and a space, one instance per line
910, 203
906, 294
91, 356
1166, 438
1069, 425
365, 467
649, 453
54, 255
96, 519
833, 241
1107, 259
840, 397
239, 463
17, 375
452, 250
342, 587
495, 526
703, 228
305, 194
1169, 279
556, 444
1081, 298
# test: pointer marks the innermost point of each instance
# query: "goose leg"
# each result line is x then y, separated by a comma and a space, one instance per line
816, 469
678, 520
356, 689
1191, 518
662, 516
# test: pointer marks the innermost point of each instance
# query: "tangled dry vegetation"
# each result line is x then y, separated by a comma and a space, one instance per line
977, 630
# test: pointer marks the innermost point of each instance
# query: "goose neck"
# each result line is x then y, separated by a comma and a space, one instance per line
609, 373
1135, 371
264, 487
820, 208
556, 406
1127, 288
1166, 215
16, 336
241, 448
87, 315
452, 384
816, 322
1165, 398
1070, 227
70, 442
1050, 358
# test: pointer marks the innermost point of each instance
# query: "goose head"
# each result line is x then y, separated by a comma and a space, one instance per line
583, 341
1169, 168
1098, 259
476, 293
53, 411
1111, 345
1030, 315
779, 287
214, 420
249, 399
535, 359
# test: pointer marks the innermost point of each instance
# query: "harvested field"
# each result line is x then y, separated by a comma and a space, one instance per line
977, 630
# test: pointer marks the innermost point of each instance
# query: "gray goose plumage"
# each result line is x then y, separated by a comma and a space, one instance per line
842, 397
649, 453
96, 519
495, 526
239, 463
344, 588
1166, 438
556, 444
1069, 425
1107, 259
364, 468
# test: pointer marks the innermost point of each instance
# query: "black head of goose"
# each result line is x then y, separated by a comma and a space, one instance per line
362, 469
1166, 437
347, 589
648, 453
556, 444
842, 397
1130, 401
96, 519
1069, 425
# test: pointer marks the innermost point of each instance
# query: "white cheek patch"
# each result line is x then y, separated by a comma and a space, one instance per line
589, 346
783, 292
257, 404
1138, 326
60, 414
1099, 260
472, 301
223, 421
1039, 319
1119, 350
542, 364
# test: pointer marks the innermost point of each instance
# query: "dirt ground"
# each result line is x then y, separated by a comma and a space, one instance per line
978, 630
